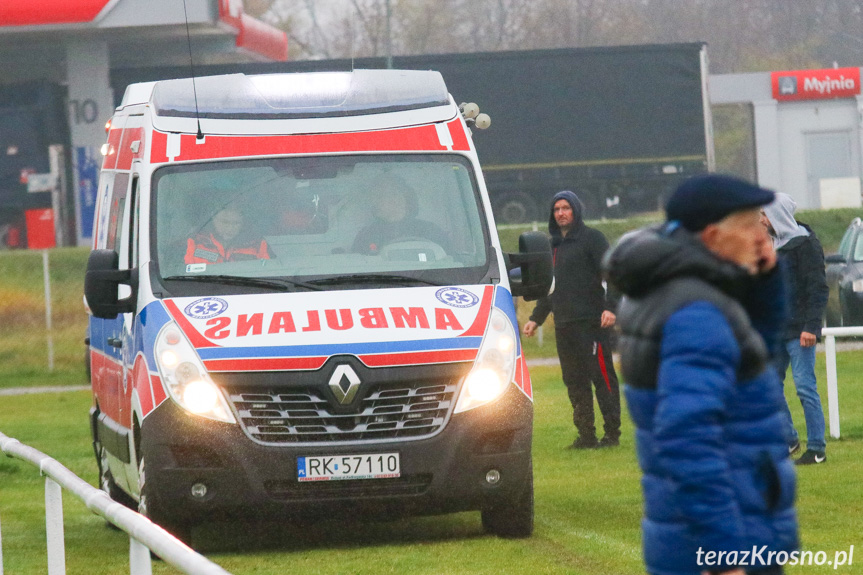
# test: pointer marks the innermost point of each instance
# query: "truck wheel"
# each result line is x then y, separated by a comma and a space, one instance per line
515, 208
512, 518
106, 481
148, 506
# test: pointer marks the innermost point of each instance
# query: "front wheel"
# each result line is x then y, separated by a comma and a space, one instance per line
148, 506
107, 483
511, 518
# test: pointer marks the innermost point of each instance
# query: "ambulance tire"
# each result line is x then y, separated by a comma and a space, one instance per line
512, 518
107, 484
148, 506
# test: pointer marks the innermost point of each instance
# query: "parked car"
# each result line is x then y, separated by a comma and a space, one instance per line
845, 278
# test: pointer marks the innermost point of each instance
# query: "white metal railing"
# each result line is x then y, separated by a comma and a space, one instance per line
144, 535
830, 334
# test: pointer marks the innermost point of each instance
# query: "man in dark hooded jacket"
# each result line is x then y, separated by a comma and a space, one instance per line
703, 312
802, 251
582, 314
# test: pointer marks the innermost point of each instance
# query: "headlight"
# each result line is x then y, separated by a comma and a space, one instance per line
857, 286
185, 377
494, 367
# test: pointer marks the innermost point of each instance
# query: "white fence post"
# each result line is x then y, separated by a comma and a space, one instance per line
144, 534
139, 558
830, 334
832, 385
48, 327
54, 528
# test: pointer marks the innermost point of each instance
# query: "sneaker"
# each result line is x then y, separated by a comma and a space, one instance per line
794, 448
609, 442
584, 443
810, 457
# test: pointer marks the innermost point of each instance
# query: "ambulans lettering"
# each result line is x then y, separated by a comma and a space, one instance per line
247, 324
373, 317
343, 319
282, 321
347, 320
218, 328
314, 321
413, 317
445, 319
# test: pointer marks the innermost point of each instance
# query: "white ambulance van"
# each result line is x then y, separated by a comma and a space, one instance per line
300, 307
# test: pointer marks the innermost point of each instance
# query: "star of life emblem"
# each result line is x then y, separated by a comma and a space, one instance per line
456, 297
206, 308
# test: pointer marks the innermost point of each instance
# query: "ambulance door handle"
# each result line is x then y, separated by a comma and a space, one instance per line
115, 342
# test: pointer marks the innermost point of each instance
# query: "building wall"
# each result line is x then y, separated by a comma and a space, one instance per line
797, 143
819, 139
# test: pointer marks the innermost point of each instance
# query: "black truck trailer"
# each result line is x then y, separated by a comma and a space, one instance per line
619, 125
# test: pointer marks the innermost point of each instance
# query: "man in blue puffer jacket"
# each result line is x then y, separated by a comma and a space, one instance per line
703, 312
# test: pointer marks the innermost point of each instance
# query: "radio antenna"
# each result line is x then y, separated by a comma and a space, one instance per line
200, 135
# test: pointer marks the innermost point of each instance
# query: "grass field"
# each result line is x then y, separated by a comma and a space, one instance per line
588, 506
23, 338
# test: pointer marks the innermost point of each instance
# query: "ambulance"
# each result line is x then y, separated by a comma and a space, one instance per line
299, 306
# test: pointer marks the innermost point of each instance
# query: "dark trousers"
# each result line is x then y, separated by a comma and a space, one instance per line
585, 358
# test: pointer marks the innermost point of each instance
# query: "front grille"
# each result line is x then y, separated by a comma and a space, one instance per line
288, 490
393, 410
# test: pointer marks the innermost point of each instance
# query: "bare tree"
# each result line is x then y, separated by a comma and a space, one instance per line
743, 35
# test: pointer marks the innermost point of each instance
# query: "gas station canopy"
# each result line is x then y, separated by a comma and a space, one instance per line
137, 33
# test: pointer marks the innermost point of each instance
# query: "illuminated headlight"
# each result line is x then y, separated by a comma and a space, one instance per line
857, 286
185, 377
495, 364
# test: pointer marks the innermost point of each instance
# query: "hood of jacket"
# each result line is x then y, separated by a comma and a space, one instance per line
647, 258
577, 214
780, 212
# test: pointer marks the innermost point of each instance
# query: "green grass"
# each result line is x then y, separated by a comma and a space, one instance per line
23, 337
588, 505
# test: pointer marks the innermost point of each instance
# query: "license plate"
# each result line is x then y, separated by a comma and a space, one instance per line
338, 467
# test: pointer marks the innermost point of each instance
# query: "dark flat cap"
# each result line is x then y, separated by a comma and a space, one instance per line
703, 200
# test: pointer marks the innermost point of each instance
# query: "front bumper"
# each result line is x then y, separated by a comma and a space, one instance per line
440, 474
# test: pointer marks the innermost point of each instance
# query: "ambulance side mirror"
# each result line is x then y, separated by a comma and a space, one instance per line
534, 261
101, 283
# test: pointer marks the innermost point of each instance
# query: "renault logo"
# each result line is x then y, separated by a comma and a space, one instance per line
344, 395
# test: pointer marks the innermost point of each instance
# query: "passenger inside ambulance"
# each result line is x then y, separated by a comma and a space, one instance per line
396, 220
227, 237
298, 212
418, 217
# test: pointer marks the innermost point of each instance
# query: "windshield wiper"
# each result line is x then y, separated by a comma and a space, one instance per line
280, 284
373, 278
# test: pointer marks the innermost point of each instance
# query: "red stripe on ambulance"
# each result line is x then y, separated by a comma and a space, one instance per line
125, 154
459, 138
418, 357
195, 338
478, 326
111, 149
418, 138
266, 364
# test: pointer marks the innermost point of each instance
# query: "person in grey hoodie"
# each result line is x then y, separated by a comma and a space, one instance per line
798, 245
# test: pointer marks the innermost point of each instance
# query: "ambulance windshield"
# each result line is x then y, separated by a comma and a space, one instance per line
308, 219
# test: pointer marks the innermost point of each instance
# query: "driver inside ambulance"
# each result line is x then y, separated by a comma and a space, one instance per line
396, 219
226, 238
